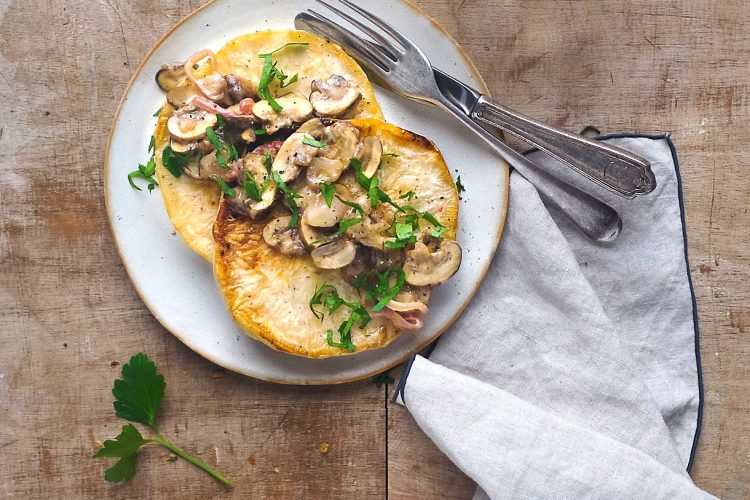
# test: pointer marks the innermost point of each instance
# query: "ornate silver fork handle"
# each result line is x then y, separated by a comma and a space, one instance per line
617, 169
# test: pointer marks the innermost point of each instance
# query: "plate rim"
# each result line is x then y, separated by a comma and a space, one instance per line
334, 381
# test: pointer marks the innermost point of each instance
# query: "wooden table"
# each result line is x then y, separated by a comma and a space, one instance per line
69, 315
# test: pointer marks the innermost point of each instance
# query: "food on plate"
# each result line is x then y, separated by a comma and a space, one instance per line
328, 228
248, 96
331, 241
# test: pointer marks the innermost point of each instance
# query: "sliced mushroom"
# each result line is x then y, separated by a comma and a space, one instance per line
293, 155
425, 267
333, 96
180, 96
311, 236
236, 88
206, 168
318, 214
279, 235
314, 127
370, 231
325, 170
334, 255
171, 76
369, 152
190, 124
295, 109
253, 165
182, 147
341, 139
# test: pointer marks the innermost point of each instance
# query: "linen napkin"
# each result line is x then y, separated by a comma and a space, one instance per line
575, 370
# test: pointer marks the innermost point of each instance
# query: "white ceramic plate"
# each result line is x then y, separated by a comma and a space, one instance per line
178, 286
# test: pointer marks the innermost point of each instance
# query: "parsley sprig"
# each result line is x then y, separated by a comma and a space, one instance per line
459, 185
147, 171
270, 72
379, 287
138, 395
327, 296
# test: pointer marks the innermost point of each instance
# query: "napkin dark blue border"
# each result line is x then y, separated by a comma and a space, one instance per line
407, 366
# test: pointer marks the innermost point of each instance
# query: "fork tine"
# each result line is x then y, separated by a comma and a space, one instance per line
386, 46
362, 51
407, 44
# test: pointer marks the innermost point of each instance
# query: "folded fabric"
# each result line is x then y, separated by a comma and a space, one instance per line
574, 372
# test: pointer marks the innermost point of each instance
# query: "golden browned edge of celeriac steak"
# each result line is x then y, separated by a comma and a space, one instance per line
192, 203
268, 293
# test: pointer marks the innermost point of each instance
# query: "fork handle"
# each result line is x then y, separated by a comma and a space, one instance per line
594, 218
621, 171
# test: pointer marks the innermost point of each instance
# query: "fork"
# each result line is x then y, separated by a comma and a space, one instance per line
395, 60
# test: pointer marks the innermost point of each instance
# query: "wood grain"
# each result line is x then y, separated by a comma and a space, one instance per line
68, 314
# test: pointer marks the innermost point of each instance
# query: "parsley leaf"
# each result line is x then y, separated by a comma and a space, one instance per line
289, 194
157, 112
270, 71
377, 286
261, 131
229, 191
459, 186
139, 393
389, 155
125, 447
327, 296
328, 190
251, 188
347, 223
220, 122
438, 228
383, 379
174, 162
145, 172
313, 143
408, 195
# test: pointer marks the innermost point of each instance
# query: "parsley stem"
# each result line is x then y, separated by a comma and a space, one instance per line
177, 451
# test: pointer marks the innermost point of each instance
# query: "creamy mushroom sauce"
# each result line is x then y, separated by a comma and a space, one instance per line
311, 180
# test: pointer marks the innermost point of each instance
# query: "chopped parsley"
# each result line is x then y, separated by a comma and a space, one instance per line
261, 131
173, 161
327, 296
270, 71
383, 379
408, 195
377, 286
221, 122
328, 190
224, 186
225, 153
289, 194
313, 143
347, 223
157, 113
390, 155
251, 188
459, 185
145, 172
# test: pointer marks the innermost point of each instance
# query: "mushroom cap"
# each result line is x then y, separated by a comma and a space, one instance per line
180, 96
293, 155
190, 125
277, 233
295, 109
369, 152
334, 255
318, 214
323, 169
425, 267
333, 96
341, 140
170, 76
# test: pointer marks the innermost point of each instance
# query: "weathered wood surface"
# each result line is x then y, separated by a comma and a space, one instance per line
638, 65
